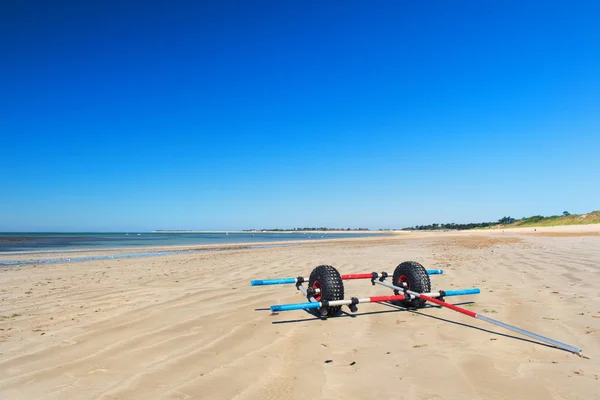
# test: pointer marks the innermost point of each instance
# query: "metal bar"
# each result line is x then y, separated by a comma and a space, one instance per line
370, 275
428, 297
461, 292
502, 324
380, 299
389, 285
303, 290
285, 281
541, 338
447, 305
282, 281
434, 294
345, 302
435, 271
298, 306
357, 276
333, 303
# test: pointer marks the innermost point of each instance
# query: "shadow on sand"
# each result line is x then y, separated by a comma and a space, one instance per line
395, 308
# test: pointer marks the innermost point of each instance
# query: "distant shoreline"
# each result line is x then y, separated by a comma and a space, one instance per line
282, 231
12, 259
36, 243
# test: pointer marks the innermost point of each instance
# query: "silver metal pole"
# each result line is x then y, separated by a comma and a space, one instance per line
541, 338
345, 302
303, 290
389, 285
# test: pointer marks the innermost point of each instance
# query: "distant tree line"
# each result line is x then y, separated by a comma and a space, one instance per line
308, 229
435, 227
454, 226
502, 221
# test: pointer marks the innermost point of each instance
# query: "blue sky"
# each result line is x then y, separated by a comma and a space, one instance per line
224, 115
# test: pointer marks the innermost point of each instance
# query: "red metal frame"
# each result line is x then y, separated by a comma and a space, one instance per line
378, 299
448, 305
357, 276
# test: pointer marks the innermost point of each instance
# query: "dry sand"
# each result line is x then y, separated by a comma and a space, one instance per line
189, 326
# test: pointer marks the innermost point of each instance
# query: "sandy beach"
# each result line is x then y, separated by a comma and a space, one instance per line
189, 326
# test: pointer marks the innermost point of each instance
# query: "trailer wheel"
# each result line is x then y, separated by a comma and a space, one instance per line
416, 277
328, 280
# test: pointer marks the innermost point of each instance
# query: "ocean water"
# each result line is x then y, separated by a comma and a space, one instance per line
49, 242
43, 248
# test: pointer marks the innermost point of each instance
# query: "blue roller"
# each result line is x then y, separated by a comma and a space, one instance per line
290, 307
260, 282
461, 292
435, 272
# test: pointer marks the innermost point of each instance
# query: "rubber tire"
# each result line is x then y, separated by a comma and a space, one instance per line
332, 286
418, 281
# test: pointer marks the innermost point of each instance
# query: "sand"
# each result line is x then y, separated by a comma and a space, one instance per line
189, 326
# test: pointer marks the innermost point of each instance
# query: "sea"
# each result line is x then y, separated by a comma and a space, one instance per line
42, 246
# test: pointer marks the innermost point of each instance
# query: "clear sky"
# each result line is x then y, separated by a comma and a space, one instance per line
131, 115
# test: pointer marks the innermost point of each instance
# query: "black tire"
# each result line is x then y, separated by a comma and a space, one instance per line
415, 275
328, 279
